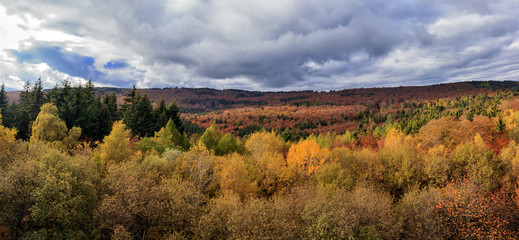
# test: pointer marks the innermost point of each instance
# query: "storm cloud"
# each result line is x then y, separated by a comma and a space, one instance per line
265, 45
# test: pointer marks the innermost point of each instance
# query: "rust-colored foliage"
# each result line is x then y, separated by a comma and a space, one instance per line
470, 213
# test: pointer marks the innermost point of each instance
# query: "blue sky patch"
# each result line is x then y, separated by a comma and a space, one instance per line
112, 65
70, 63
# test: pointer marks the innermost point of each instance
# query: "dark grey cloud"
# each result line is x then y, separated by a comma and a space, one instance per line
279, 45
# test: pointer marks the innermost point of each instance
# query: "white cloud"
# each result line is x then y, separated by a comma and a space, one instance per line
268, 45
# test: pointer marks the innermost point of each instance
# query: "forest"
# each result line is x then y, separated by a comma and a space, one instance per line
78, 165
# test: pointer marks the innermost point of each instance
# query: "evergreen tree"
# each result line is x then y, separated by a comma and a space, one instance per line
172, 111
90, 112
160, 115
171, 131
79, 106
139, 117
31, 99
129, 99
163, 114
61, 96
110, 101
4, 102
36, 99
10, 115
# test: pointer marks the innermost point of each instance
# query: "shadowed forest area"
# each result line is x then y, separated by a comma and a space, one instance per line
79, 165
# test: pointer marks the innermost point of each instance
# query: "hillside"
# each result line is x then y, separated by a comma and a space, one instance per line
301, 113
205, 100
304, 112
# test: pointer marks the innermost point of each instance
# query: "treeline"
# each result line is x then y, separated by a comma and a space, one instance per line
78, 106
454, 179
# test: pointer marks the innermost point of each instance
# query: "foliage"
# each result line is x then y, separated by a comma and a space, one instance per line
469, 213
431, 169
116, 146
63, 198
306, 157
49, 128
403, 167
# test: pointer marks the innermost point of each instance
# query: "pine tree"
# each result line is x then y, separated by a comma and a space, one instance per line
160, 115
139, 117
110, 101
163, 114
36, 99
129, 99
21, 115
175, 136
4, 102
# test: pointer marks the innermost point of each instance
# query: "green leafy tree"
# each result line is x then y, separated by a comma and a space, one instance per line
167, 138
172, 134
227, 144
211, 137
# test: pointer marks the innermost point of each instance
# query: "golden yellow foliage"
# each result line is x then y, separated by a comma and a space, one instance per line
7, 140
6, 134
262, 142
511, 119
234, 177
116, 146
197, 166
49, 128
403, 166
306, 157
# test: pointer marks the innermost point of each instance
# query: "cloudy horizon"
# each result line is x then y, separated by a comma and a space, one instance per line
258, 45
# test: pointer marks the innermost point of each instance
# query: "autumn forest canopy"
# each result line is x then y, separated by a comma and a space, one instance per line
435, 162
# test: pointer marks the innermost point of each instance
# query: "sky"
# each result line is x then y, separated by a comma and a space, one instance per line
265, 45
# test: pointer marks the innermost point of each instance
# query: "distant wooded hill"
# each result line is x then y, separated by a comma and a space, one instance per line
200, 100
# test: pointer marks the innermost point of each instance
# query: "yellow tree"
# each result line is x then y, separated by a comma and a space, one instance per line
261, 143
269, 166
234, 176
402, 165
197, 166
6, 141
306, 157
6, 134
49, 128
475, 160
116, 146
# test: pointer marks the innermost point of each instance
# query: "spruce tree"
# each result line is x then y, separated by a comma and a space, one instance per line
139, 117
22, 114
3, 98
